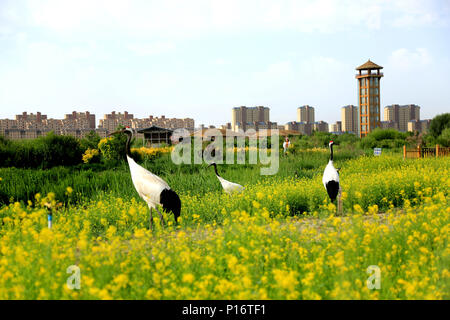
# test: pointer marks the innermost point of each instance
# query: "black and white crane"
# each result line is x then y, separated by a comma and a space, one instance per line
331, 177
151, 188
228, 187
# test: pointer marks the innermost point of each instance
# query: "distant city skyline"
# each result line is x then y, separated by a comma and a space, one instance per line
199, 59
97, 119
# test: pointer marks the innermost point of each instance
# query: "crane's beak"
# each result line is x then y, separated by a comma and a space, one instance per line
116, 132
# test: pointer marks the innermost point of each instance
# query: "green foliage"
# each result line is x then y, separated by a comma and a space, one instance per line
384, 138
4, 141
90, 141
444, 139
60, 150
387, 134
346, 138
439, 123
321, 139
45, 152
113, 148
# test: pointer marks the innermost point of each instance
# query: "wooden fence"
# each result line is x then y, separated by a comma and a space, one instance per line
421, 152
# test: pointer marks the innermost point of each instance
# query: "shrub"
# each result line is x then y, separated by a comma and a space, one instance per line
60, 150
384, 138
444, 138
45, 152
90, 141
439, 123
113, 148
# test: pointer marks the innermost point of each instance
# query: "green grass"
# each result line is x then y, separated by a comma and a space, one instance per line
91, 182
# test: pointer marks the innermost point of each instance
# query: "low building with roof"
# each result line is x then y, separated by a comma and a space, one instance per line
155, 136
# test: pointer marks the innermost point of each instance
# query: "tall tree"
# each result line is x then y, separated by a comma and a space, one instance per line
439, 123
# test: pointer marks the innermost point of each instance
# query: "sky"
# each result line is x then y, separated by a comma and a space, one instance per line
199, 59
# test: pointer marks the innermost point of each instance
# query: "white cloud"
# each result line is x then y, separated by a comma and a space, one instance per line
373, 15
411, 13
54, 46
404, 59
198, 17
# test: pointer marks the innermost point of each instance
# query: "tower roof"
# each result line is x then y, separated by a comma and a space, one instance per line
369, 65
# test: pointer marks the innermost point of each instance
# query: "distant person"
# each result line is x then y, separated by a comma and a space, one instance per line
286, 145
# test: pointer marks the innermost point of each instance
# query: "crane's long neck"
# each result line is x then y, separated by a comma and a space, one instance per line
215, 170
331, 152
127, 146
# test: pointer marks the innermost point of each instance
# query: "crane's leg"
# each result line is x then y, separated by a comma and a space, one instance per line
339, 202
151, 218
162, 219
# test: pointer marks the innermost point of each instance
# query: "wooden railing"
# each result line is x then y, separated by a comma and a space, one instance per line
421, 152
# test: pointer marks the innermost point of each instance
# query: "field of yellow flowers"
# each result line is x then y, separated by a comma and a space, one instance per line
280, 239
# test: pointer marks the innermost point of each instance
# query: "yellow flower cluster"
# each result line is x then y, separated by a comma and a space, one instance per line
250, 256
315, 149
385, 182
104, 141
89, 154
151, 153
248, 246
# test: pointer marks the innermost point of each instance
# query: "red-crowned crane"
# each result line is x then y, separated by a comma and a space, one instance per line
331, 177
154, 190
228, 187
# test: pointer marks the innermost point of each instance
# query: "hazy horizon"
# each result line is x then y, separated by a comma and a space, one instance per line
199, 59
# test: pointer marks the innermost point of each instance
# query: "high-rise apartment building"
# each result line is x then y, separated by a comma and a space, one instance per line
74, 116
402, 115
163, 122
243, 117
368, 78
79, 124
349, 117
27, 121
112, 120
31, 117
31, 126
305, 114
